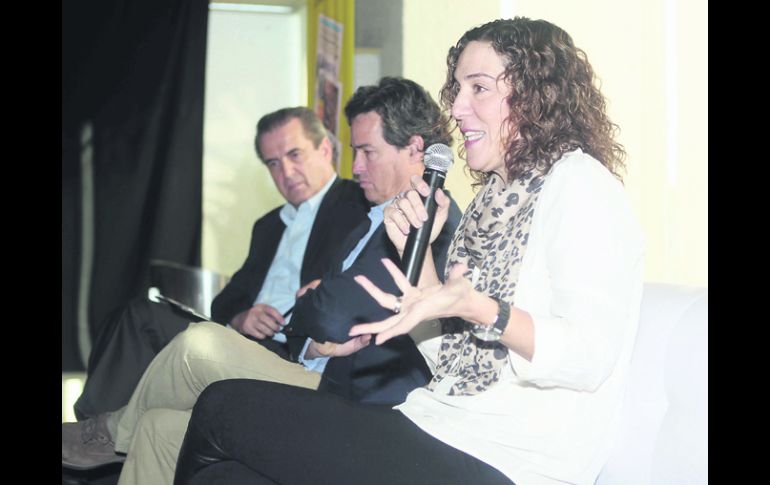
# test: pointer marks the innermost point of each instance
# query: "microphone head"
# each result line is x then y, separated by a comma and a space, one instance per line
438, 157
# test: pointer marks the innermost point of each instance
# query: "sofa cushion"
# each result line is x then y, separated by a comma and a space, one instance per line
663, 435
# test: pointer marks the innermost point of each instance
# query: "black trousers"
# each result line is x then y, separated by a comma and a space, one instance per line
128, 340
247, 431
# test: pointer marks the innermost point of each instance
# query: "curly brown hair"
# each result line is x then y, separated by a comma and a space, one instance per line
554, 102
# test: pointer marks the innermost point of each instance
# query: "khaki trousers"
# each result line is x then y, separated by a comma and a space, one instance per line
151, 427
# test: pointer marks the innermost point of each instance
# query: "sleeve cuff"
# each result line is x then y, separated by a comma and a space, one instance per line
315, 365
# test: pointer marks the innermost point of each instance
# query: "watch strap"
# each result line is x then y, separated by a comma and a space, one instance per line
503, 315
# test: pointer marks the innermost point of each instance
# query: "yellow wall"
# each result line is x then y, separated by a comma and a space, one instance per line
342, 12
430, 28
659, 102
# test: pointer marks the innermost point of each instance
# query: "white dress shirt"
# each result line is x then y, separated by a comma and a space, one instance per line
282, 280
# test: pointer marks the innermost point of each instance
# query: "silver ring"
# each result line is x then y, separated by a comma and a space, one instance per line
397, 306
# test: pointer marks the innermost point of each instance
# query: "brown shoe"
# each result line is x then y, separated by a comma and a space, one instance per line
88, 444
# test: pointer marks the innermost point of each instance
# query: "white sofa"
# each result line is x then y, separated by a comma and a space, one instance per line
664, 432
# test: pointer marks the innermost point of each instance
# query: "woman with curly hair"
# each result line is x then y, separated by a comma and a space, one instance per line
538, 311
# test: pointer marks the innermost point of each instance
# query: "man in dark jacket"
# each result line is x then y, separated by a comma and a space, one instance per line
132, 336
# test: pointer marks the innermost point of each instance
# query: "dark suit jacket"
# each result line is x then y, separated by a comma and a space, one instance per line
382, 374
343, 208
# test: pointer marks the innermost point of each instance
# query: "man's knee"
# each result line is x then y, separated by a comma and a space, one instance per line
202, 338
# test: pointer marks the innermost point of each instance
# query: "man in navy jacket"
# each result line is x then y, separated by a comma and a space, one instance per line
392, 124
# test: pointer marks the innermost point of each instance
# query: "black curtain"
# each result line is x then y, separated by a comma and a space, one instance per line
135, 71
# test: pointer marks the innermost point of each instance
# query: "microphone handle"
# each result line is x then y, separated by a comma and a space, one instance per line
419, 238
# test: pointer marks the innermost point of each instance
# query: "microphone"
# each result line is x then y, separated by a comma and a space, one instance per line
437, 160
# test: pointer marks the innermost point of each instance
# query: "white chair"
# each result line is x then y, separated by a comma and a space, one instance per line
663, 437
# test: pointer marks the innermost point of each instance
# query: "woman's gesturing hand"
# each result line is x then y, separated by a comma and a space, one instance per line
415, 305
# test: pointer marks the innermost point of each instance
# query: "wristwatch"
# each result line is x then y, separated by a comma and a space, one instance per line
493, 332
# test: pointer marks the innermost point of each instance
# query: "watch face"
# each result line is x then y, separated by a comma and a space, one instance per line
487, 333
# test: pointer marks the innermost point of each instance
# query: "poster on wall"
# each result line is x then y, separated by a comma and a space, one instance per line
327, 101
329, 45
328, 90
328, 104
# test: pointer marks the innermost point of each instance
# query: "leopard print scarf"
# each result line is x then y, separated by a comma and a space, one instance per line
492, 236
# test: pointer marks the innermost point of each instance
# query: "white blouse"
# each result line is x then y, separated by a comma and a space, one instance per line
553, 420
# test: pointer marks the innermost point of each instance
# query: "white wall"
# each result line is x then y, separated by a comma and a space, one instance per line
651, 58
254, 65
